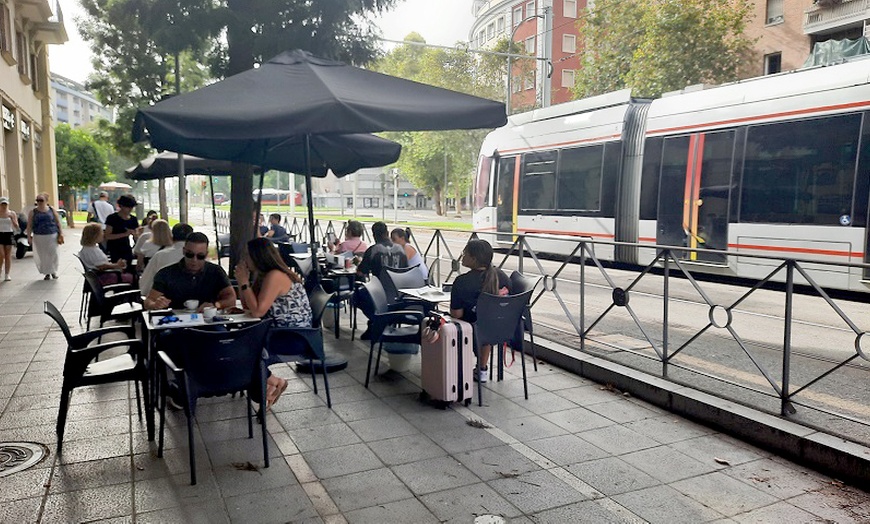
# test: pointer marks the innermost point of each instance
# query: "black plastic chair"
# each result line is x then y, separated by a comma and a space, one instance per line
342, 288
120, 302
214, 363
499, 320
80, 368
86, 291
520, 284
290, 344
395, 279
402, 326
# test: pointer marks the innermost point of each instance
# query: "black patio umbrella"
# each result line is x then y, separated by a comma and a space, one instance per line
296, 96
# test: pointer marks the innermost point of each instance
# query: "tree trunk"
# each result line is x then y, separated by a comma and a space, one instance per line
240, 44
458, 198
70, 200
439, 202
161, 197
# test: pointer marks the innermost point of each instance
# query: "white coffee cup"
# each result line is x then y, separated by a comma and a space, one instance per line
191, 304
209, 313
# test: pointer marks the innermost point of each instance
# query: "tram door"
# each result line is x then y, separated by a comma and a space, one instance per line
505, 208
695, 193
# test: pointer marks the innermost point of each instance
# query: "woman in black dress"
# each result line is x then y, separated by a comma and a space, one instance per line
120, 227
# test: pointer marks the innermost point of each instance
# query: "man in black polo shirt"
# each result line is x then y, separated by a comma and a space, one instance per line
382, 253
192, 278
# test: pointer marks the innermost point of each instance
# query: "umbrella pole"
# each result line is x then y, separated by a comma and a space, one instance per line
259, 203
308, 193
214, 218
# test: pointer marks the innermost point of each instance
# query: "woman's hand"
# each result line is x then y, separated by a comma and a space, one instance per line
243, 273
122, 264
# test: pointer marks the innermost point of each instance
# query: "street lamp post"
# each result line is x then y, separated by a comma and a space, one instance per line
395, 173
542, 16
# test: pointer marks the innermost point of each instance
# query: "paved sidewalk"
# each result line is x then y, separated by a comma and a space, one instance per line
576, 451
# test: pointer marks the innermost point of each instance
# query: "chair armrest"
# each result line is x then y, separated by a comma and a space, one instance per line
404, 316
83, 339
168, 362
78, 359
115, 288
124, 297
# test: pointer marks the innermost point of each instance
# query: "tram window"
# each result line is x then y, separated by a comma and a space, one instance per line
611, 170
649, 181
862, 183
579, 180
481, 186
539, 181
800, 172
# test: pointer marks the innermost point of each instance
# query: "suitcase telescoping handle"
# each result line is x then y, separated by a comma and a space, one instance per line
460, 385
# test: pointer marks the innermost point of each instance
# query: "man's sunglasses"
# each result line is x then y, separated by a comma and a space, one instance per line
199, 256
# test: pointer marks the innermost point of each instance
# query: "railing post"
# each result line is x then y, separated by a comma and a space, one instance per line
665, 300
438, 255
582, 296
520, 253
786, 342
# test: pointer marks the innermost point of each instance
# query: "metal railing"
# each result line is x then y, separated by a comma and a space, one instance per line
596, 308
666, 318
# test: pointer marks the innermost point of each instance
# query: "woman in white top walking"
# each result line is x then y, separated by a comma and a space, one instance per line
8, 225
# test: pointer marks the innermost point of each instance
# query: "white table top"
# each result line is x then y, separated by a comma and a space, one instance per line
427, 293
195, 320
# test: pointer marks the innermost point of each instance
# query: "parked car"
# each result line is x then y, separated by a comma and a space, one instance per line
219, 198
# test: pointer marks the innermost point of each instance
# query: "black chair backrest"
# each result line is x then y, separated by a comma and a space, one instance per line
371, 298
521, 283
96, 286
303, 265
218, 362
298, 247
319, 299
82, 262
49, 309
403, 278
498, 316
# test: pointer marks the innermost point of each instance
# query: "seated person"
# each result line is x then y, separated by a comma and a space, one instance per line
382, 254
165, 257
400, 236
94, 258
270, 289
192, 278
483, 277
159, 238
353, 242
276, 231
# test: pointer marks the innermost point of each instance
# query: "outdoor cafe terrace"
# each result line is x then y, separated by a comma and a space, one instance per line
575, 451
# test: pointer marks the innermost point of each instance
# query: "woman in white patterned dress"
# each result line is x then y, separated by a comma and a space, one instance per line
270, 289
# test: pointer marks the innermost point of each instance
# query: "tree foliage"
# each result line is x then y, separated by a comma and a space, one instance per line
81, 161
654, 46
439, 160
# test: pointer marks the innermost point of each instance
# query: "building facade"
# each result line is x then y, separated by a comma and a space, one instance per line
548, 30
74, 104
27, 149
375, 188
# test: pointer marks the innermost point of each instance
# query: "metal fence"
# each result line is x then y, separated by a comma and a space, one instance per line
782, 345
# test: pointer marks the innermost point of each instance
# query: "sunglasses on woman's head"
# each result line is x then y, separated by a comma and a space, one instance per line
199, 256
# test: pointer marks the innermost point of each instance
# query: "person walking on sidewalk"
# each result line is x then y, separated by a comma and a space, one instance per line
101, 209
8, 225
120, 227
44, 234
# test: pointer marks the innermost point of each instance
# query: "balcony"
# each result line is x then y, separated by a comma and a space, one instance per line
824, 18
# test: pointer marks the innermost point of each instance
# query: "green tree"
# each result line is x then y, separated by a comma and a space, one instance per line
654, 46
135, 41
81, 162
443, 162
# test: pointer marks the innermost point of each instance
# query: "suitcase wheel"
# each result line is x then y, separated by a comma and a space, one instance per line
467, 402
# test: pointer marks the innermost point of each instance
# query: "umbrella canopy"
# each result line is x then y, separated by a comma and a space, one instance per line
342, 154
297, 94
115, 185
298, 97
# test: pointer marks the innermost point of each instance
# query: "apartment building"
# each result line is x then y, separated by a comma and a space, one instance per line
74, 104
548, 30
27, 149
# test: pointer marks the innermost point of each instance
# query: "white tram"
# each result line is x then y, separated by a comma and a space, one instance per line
777, 165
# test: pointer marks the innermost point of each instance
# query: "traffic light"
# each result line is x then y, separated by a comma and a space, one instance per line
215, 180
404, 194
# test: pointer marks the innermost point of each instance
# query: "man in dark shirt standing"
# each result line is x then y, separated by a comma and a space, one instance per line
383, 253
192, 278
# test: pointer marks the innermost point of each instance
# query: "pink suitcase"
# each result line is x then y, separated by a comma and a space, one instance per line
448, 363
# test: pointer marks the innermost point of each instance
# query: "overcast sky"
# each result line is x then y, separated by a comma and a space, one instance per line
441, 22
